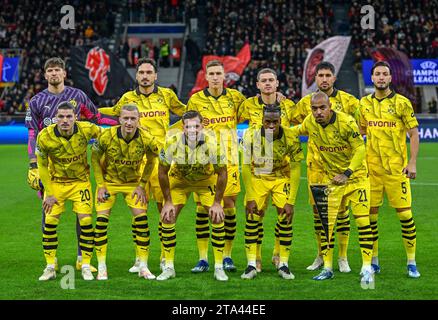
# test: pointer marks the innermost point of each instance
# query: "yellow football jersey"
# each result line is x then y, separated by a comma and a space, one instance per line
386, 122
271, 159
252, 110
154, 109
122, 161
220, 115
67, 156
335, 144
190, 164
341, 101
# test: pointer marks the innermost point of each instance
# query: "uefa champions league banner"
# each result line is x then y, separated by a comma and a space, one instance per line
332, 50
424, 72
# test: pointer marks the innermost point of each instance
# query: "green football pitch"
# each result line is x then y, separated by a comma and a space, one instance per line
22, 261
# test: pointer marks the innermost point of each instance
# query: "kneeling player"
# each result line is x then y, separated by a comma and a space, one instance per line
271, 162
62, 160
117, 157
189, 163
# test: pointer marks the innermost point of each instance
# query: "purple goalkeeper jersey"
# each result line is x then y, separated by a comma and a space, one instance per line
43, 107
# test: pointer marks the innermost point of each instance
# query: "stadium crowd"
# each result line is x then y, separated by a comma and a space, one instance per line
21, 28
410, 27
279, 33
151, 11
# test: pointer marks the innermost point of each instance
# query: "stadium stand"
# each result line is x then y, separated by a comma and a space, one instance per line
21, 28
408, 26
279, 33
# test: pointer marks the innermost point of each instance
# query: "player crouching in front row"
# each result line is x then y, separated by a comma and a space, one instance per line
271, 161
189, 163
62, 160
117, 160
341, 148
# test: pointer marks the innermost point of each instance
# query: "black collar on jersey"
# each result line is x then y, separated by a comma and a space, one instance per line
266, 104
119, 134
137, 91
58, 134
334, 93
207, 93
332, 120
201, 141
280, 133
389, 96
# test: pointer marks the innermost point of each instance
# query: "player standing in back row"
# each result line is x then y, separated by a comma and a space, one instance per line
387, 117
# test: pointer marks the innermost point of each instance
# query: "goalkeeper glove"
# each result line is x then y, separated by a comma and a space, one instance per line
33, 177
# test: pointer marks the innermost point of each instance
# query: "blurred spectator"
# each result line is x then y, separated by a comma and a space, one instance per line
155, 11
433, 106
193, 55
89, 32
164, 54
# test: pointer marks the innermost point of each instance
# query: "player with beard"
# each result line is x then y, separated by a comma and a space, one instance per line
386, 117
41, 113
341, 101
154, 104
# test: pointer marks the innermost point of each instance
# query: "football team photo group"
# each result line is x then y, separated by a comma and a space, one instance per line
219, 150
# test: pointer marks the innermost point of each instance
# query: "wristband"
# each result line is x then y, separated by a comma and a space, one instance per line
348, 173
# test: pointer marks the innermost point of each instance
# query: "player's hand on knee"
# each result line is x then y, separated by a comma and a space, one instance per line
33, 178
168, 212
340, 179
102, 194
216, 213
48, 203
251, 208
140, 194
288, 212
